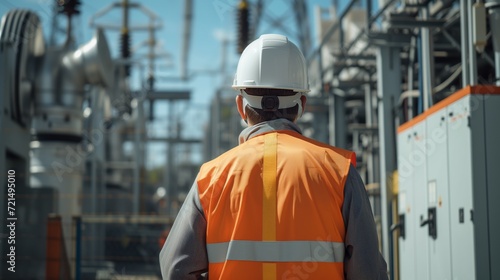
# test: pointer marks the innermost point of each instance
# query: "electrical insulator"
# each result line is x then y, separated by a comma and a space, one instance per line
243, 25
151, 82
125, 49
69, 7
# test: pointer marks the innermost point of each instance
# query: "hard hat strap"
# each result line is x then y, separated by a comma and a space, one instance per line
300, 111
255, 101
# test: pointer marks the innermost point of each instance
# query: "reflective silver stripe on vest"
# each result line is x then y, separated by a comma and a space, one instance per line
276, 251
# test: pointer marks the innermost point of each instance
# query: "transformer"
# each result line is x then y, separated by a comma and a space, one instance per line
43, 91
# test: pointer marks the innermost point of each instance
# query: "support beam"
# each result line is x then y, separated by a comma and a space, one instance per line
410, 22
494, 18
169, 95
301, 19
139, 152
427, 47
388, 90
339, 131
471, 49
186, 37
464, 41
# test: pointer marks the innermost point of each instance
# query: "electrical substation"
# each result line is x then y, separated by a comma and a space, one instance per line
412, 87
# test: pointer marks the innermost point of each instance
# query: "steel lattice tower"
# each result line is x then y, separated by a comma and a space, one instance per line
288, 17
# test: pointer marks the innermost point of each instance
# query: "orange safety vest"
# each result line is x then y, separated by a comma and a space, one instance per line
273, 207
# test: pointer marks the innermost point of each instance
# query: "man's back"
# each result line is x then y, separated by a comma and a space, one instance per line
307, 195
278, 206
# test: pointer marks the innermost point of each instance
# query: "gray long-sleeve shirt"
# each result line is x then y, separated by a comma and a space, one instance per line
184, 255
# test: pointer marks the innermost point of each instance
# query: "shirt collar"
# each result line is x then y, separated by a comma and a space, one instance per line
263, 127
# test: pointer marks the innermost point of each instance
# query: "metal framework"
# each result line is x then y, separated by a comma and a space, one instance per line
296, 8
415, 48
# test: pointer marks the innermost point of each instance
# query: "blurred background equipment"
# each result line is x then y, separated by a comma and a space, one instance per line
106, 134
243, 26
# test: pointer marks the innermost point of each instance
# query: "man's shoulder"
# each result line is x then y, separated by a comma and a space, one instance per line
226, 158
321, 145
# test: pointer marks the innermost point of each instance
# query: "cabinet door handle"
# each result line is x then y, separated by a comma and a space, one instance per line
400, 225
431, 222
424, 223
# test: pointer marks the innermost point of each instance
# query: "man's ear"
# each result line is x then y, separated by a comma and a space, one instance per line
303, 99
241, 109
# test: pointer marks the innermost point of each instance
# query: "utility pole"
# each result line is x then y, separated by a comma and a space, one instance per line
125, 30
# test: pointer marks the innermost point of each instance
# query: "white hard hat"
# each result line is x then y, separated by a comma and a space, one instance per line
272, 62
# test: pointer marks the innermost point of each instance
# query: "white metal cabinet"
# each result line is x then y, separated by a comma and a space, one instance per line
437, 218
418, 160
456, 159
460, 181
492, 143
406, 175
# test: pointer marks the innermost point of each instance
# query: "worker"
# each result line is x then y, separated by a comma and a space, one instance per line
279, 205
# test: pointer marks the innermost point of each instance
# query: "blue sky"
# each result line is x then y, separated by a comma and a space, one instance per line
212, 21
